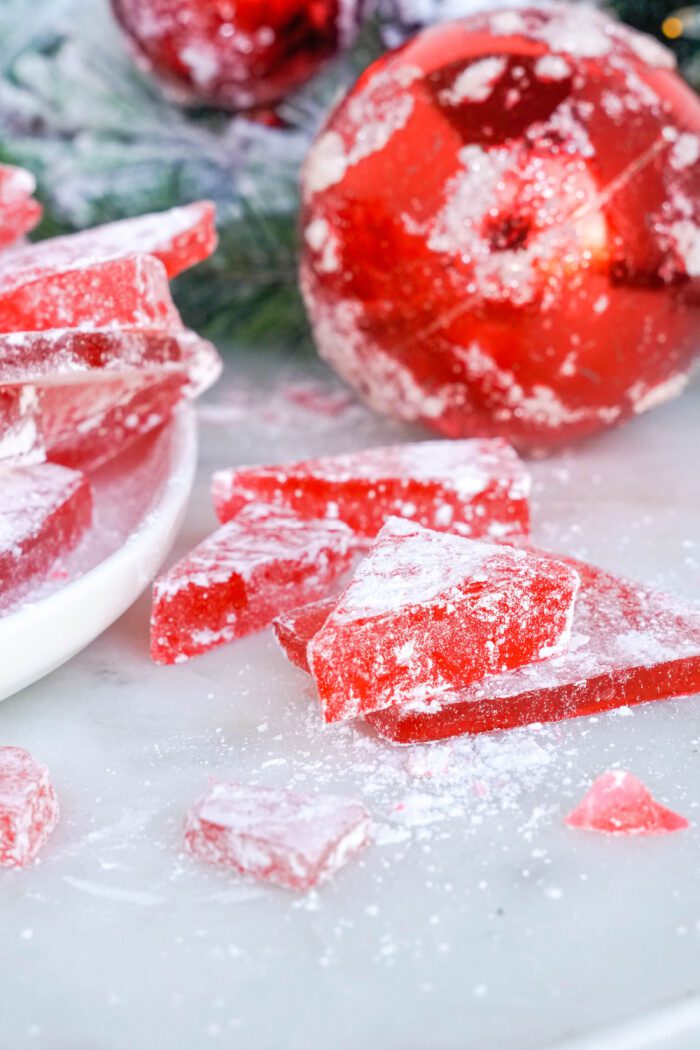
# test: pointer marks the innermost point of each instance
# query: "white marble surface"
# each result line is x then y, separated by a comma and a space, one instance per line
476, 920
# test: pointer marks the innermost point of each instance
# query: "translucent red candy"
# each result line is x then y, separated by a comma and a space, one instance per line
44, 512
629, 644
427, 612
28, 807
179, 238
131, 292
78, 397
236, 53
283, 837
19, 212
84, 423
295, 629
558, 159
619, 804
475, 488
69, 354
241, 577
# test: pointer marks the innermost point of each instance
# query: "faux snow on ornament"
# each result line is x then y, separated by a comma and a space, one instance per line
236, 54
501, 227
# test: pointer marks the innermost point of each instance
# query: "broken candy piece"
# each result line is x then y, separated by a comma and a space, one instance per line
127, 293
241, 577
28, 807
619, 804
629, 644
79, 397
284, 837
477, 488
295, 629
427, 612
44, 512
84, 422
19, 212
58, 354
180, 238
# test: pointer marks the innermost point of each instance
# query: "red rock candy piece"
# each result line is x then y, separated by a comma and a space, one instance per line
78, 397
476, 488
241, 577
179, 238
283, 837
629, 644
19, 213
295, 629
28, 807
427, 612
619, 804
45, 510
131, 292
84, 423
64, 354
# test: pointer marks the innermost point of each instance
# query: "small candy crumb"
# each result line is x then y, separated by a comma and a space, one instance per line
619, 804
278, 836
28, 807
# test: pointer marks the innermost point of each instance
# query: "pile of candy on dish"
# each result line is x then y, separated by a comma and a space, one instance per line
93, 354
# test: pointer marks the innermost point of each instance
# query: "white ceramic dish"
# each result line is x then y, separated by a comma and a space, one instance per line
139, 501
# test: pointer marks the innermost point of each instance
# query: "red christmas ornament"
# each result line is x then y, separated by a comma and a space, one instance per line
237, 54
501, 227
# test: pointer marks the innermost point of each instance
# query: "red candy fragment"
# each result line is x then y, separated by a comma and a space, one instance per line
629, 644
619, 804
179, 238
295, 629
427, 612
28, 807
475, 488
131, 292
45, 510
19, 212
241, 577
283, 837
69, 353
78, 397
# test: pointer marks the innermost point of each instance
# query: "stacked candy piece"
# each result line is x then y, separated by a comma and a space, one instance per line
450, 622
93, 354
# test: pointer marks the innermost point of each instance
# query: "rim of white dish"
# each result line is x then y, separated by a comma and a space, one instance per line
110, 587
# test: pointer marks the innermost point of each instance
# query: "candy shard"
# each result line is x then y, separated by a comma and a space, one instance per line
130, 292
57, 354
428, 612
295, 629
241, 577
619, 804
476, 488
45, 511
283, 837
179, 238
19, 212
629, 644
79, 397
83, 423
28, 807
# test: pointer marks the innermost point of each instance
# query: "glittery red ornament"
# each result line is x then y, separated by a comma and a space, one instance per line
501, 227
237, 54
